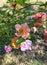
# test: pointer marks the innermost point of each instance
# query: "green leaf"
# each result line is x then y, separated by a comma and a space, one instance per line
33, 36
40, 2
22, 2
45, 3
19, 40
41, 9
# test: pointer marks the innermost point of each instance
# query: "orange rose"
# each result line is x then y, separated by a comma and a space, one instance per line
13, 43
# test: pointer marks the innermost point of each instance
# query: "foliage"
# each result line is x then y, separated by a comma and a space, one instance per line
11, 16
22, 2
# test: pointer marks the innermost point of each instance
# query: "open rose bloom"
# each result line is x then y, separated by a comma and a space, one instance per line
13, 43
23, 30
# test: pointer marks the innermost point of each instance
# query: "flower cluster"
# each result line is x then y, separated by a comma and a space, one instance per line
21, 37
23, 31
40, 16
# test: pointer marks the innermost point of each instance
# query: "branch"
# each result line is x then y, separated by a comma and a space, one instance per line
33, 4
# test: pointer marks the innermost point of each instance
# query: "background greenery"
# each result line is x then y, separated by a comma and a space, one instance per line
7, 30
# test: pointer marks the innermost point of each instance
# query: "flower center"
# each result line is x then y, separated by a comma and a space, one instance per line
21, 31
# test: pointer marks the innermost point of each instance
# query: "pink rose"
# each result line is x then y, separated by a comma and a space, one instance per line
22, 30
40, 16
26, 45
8, 48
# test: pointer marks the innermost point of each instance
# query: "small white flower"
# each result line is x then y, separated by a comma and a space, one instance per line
34, 29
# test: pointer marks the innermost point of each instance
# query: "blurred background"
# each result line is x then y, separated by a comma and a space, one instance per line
2, 2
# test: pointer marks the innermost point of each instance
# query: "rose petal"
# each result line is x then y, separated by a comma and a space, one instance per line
17, 27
